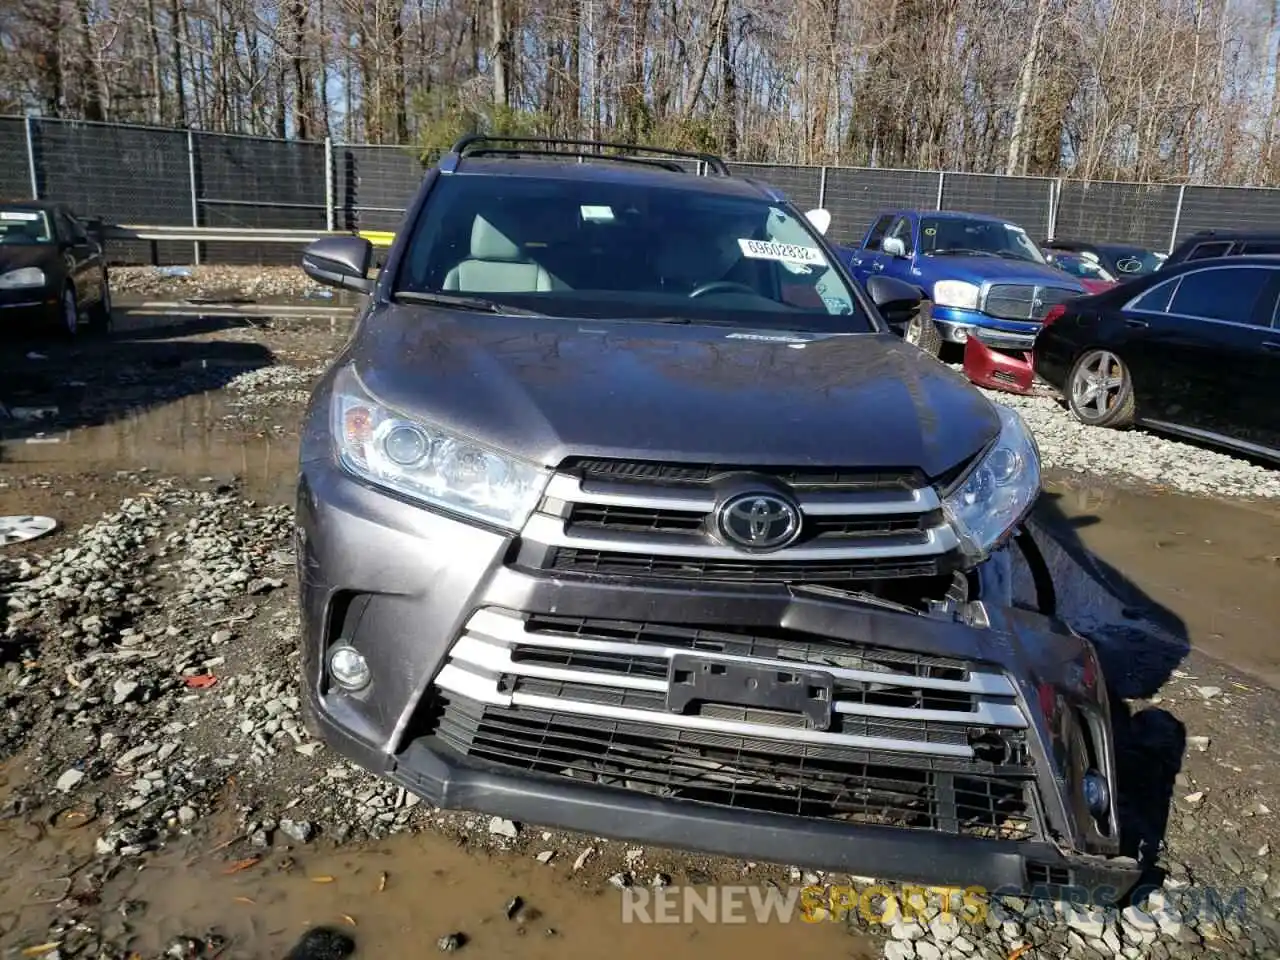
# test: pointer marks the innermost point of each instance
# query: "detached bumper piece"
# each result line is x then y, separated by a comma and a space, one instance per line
913, 766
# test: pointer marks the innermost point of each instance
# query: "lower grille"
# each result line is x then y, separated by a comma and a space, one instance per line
744, 773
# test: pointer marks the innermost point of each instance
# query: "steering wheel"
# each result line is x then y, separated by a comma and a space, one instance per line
721, 286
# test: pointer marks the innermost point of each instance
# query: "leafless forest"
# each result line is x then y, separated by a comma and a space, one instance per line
1099, 89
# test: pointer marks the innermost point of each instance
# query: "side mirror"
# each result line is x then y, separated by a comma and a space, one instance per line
821, 220
888, 292
339, 262
894, 246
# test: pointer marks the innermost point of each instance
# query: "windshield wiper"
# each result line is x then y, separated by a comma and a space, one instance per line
463, 302
963, 252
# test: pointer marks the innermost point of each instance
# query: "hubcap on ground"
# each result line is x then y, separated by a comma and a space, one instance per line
1098, 383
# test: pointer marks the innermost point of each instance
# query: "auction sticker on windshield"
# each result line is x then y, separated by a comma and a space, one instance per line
23, 215
788, 252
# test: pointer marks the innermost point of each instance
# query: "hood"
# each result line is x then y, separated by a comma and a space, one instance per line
15, 256
547, 389
997, 270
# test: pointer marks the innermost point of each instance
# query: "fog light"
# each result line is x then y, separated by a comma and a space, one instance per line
348, 667
961, 334
1097, 794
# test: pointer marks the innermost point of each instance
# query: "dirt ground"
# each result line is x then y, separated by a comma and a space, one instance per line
159, 796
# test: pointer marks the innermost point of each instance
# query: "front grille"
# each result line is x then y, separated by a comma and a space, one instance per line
612, 563
624, 519
743, 773
693, 475
1024, 301
594, 516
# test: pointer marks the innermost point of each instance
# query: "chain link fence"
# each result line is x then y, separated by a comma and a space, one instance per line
150, 176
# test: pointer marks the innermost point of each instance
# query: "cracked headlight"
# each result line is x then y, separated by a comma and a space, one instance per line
996, 494
956, 293
419, 460
22, 279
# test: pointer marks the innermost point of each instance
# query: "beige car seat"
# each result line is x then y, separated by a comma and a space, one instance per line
496, 265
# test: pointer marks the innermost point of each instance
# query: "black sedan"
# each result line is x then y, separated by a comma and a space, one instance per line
51, 270
1193, 350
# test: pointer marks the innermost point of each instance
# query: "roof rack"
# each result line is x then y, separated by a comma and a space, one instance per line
475, 145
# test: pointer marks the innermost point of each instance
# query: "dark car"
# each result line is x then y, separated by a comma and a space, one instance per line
52, 271
1208, 244
1193, 349
1093, 276
1123, 261
624, 510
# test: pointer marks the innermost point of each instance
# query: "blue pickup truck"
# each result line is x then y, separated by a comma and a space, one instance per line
984, 276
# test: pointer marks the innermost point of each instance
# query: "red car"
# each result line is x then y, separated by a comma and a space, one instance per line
1012, 371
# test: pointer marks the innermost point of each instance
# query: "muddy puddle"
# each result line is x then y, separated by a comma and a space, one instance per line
396, 899
194, 437
1189, 570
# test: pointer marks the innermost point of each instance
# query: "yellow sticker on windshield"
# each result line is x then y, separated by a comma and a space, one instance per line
930, 231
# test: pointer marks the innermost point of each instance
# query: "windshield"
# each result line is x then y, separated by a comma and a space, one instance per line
1079, 266
18, 226
1133, 261
611, 250
958, 236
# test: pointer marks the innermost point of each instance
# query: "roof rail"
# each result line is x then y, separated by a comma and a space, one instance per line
477, 144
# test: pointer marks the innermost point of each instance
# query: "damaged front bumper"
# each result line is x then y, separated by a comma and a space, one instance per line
952, 752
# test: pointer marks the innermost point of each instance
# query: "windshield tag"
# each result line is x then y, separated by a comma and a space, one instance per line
597, 214
22, 215
782, 252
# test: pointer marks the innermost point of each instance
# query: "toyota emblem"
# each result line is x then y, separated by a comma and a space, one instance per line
759, 521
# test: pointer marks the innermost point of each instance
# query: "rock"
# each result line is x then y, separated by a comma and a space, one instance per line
1088, 923
122, 690
1194, 798
962, 944
899, 950
1231, 859
583, 857
503, 828
945, 927
1199, 743
187, 816
1208, 693
300, 831
451, 942
901, 929
545, 856
926, 950
322, 943
620, 880
69, 780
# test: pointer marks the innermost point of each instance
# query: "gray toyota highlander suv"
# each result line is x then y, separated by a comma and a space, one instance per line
623, 510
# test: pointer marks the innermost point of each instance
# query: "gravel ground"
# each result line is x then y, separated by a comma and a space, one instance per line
1137, 455
212, 280
148, 661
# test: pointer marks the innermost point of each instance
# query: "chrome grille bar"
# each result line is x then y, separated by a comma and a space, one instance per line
483, 655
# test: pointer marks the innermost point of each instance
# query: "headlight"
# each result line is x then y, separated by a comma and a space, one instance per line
999, 491
26, 277
425, 463
956, 293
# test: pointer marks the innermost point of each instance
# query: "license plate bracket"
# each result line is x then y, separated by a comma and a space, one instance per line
692, 679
